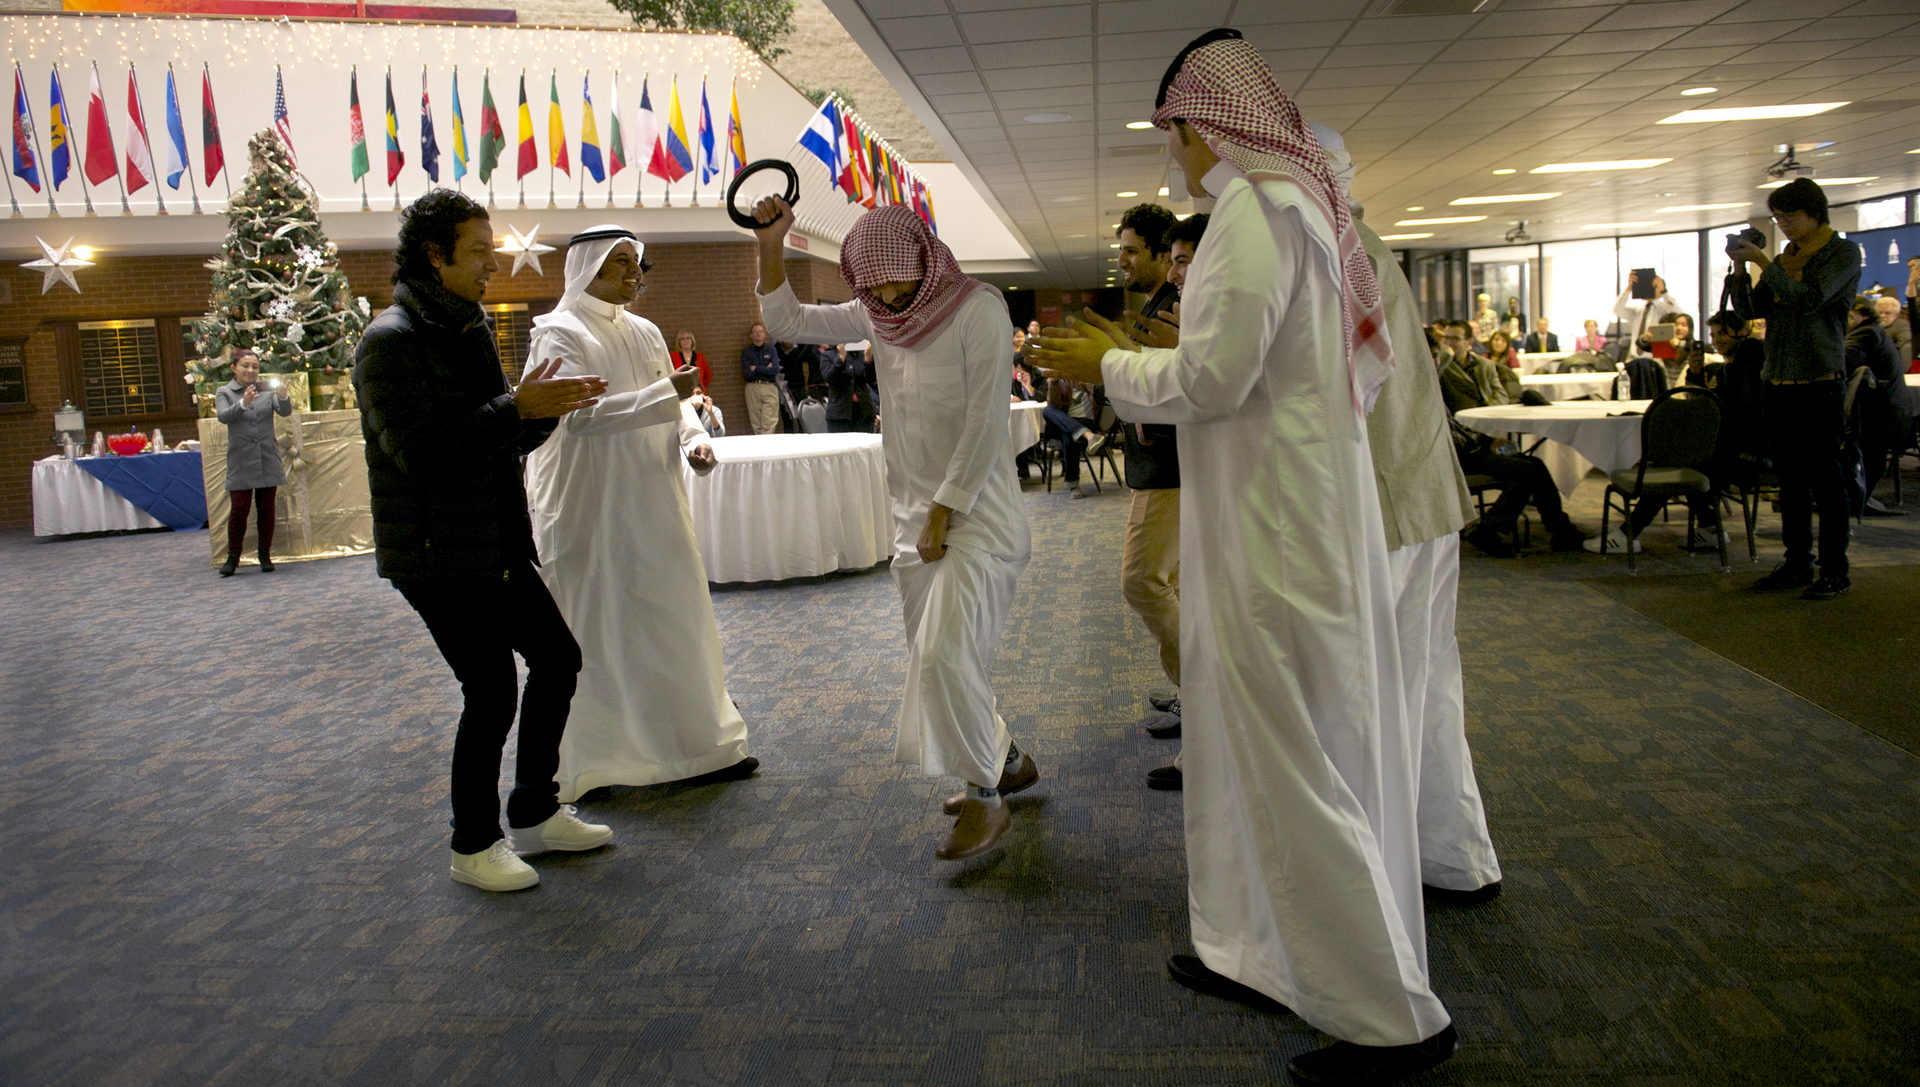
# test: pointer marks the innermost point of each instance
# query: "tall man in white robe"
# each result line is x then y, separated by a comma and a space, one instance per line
616, 541
1302, 851
960, 526
1424, 502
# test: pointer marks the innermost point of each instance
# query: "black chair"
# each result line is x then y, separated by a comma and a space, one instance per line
1677, 437
1646, 378
1478, 486
1751, 492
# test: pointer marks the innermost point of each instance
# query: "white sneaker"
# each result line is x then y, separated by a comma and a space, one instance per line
1095, 443
1616, 543
564, 832
1076, 492
494, 869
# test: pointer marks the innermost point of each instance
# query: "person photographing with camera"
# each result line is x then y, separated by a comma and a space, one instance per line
254, 470
1804, 296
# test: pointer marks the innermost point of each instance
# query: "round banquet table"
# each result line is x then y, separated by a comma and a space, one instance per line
1581, 434
782, 506
1568, 386
1024, 424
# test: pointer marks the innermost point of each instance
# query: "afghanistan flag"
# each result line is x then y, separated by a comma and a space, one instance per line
356, 129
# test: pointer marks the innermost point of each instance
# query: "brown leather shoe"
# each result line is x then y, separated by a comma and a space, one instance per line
978, 829
1011, 782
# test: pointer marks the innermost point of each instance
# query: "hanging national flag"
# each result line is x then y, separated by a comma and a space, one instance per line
493, 138
58, 151
556, 127
616, 141
708, 167
529, 154
847, 136
25, 167
429, 144
210, 152
821, 137
139, 169
281, 123
356, 129
646, 136
736, 138
176, 135
101, 163
459, 132
933, 223
395, 159
679, 150
856, 171
590, 134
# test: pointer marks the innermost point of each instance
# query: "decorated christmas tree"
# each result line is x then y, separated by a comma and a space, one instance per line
277, 284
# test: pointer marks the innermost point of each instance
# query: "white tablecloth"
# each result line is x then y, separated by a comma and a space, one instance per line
1568, 386
66, 498
1024, 424
1531, 361
791, 505
1582, 434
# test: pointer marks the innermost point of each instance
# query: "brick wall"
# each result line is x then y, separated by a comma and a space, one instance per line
705, 288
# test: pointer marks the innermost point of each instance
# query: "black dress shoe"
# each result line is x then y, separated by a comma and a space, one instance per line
1188, 970
1166, 727
1462, 898
1828, 588
739, 771
1489, 541
233, 563
1784, 577
1163, 703
266, 563
1167, 779
1348, 1065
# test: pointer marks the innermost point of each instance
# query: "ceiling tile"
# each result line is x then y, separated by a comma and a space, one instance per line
1074, 100
1680, 13
1411, 28
924, 32
1759, 10
1386, 76
1476, 49
949, 83
1132, 16
961, 103
1031, 25
1621, 41
1735, 33
1572, 65
1355, 56
935, 61
1046, 75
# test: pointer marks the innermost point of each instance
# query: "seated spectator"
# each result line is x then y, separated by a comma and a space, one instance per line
687, 352
708, 413
1500, 350
1897, 326
851, 398
1071, 414
1542, 340
1879, 412
1672, 353
1741, 453
1469, 381
1592, 340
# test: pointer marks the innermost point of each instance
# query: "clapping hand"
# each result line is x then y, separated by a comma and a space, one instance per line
702, 457
544, 396
1159, 332
1074, 353
686, 381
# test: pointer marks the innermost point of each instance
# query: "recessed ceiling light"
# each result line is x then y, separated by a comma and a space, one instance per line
1418, 207
1435, 222
1402, 237
1506, 171
1748, 113
1691, 91
1047, 118
1708, 207
1137, 125
1076, 235
1065, 199
1162, 192
1511, 198
1606, 164
1127, 193
1826, 181
1915, 151
1113, 245
1617, 226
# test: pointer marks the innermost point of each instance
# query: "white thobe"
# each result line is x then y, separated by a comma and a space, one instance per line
945, 440
1423, 504
617, 551
1302, 856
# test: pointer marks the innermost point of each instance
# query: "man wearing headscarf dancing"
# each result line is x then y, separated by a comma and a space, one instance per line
616, 540
960, 527
1302, 847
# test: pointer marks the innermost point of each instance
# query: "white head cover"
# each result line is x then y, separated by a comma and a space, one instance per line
1338, 161
586, 252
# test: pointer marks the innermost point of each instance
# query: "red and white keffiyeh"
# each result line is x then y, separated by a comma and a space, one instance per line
893, 245
1226, 91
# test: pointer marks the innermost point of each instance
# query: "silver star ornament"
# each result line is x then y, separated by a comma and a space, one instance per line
525, 249
57, 266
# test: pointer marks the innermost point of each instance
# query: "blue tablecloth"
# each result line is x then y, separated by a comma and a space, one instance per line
168, 486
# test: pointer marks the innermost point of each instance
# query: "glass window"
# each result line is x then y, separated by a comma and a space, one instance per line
1675, 258
1875, 214
120, 368
1580, 280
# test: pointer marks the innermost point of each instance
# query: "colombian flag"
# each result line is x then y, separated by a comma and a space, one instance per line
556, 128
529, 154
589, 133
677, 148
395, 159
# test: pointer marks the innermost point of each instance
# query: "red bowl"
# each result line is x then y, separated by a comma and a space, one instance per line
127, 447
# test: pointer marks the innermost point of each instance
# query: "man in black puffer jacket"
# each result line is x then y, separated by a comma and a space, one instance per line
450, 529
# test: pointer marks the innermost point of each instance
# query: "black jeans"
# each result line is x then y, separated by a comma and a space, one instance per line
479, 623
1804, 433
1063, 426
1521, 480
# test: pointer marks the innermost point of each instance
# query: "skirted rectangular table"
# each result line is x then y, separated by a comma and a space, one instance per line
107, 494
781, 506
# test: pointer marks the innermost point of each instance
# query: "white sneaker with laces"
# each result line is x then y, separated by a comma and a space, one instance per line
563, 832
1616, 543
1076, 492
494, 869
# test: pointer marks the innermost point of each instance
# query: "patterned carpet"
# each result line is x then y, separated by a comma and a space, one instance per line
229, 858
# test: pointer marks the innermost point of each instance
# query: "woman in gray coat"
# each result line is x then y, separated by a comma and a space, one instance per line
254, 471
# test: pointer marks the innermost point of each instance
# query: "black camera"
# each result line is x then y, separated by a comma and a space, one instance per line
1751, 235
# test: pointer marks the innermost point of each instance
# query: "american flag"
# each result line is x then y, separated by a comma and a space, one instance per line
280, 123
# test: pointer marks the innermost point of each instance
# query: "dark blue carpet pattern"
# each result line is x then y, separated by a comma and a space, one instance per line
228, 855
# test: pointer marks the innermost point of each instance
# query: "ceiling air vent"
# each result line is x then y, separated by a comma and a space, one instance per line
1434, 7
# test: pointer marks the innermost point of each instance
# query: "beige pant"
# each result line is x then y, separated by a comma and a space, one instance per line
1150, 570
763, 407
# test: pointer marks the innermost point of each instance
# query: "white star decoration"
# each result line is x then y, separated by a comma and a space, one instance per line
525, 249
57, 266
